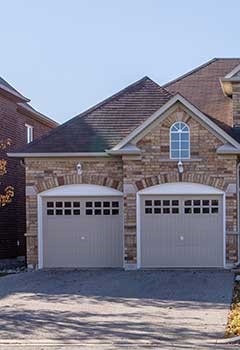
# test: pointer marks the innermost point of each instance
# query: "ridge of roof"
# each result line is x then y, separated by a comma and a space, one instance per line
192, 71
130, 88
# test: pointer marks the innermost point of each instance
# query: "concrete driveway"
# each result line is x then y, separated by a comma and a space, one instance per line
115, 307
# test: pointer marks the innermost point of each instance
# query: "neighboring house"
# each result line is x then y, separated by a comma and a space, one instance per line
20, 124
147, 178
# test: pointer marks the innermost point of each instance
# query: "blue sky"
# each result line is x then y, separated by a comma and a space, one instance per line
67, 55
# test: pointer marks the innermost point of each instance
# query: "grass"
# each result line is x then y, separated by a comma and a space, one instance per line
233, 324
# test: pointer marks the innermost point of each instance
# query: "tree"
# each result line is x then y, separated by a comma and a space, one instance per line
8, 194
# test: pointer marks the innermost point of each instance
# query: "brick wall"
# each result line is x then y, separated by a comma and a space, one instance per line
236, 104
155, 167
138, 172
12, 216
43, 174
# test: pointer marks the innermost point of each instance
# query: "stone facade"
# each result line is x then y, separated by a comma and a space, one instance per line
130, 174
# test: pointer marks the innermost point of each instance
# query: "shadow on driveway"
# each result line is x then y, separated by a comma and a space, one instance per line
113, 306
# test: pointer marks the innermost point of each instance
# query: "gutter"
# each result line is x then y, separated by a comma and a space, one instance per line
57, 154
24, 108
14, 93
123, 152
107, 153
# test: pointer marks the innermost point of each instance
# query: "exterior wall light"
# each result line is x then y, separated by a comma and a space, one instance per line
79, 168
180, 167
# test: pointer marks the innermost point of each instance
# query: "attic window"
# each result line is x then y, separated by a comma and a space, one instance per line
179, 141
29, 129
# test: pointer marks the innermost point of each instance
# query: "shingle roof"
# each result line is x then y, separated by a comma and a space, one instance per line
202, 87
104, 125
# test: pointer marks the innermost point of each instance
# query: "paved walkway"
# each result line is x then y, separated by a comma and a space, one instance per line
114, 308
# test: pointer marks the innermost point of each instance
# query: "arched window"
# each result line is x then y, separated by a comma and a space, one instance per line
179, 141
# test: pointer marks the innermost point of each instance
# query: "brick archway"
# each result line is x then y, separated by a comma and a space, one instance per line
72, 179
209, 180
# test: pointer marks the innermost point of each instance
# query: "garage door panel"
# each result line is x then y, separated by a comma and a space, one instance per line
181, 231
83, 232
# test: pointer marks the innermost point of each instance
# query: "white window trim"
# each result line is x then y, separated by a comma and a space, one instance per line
29, 133
170, 142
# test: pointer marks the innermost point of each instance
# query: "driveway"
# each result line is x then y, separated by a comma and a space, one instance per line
115, 307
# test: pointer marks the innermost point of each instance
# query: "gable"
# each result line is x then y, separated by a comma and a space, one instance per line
217, 128
202, 86
155, 143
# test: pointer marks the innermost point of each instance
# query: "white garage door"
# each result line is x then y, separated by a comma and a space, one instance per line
82, 232
181, 231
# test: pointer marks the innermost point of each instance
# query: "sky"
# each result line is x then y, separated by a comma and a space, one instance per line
68, 55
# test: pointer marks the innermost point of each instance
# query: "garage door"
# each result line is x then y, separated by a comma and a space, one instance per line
82, 232
181, 231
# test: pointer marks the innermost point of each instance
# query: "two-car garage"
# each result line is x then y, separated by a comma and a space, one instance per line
178, 225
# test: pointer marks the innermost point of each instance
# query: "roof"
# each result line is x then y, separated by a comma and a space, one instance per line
224, 131
202, 87
25, 107
106, 124
6, 84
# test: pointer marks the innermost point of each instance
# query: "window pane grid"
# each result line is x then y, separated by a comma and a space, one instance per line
179, 139
67, 208
176, 206
163, 206
201, 206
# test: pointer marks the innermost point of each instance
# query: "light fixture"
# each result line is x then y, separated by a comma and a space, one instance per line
79, 168
180, 167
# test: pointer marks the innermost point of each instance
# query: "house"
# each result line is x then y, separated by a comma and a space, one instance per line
19, 125
147, 178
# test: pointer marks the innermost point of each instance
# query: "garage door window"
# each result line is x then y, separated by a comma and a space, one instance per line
162, 206
198, 206
102, 208
67, 208
175, 206
63, 208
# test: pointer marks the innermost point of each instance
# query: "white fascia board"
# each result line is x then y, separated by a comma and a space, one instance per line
228, 149
163, 109
14, 93
233, 72
57, 155
119, 152
128, 149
